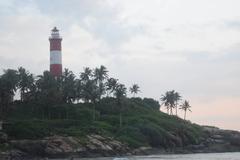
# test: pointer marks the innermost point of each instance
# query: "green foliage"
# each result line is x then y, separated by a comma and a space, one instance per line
27, 129
170, 100
147, 102
8, 86
132, 136
141, 126
5, 147
155, 135
134, 89
47, 108
151, 103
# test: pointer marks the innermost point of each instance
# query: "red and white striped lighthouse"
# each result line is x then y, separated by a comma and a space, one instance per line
55, 53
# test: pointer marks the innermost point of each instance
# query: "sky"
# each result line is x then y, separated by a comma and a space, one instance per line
191, 46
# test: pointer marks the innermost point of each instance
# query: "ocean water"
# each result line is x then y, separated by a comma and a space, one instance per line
208, 156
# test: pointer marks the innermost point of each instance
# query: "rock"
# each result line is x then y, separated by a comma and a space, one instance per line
196, 147
4, 156
176, 141
217, 136
94, 145
17, 155
235, 139
210, 129
142, 150
33, 147
105, 145
118, 146
58, 145
218, 140
97, 143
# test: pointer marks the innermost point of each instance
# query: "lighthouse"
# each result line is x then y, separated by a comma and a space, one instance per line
55, 53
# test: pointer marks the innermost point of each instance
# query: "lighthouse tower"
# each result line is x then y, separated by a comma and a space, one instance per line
55, 53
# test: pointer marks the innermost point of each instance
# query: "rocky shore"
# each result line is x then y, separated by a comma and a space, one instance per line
59, 146
215, 140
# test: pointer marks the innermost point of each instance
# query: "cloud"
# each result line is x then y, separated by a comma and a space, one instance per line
233, 24
23, 40
81, 48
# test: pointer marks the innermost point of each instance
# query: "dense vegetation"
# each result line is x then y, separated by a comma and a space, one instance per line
142, 123
93, 103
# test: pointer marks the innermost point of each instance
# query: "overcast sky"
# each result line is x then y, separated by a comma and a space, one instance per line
192, 46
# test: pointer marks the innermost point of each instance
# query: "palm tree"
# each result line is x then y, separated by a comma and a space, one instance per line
78, 89
89, 86
111, 85
185, 106
177, 97
134, 89
8, 86
100, 74
85, 77
48, 92
46, 81
168, 101
120, 93
86, 74
68, 86
90, 92
26, 82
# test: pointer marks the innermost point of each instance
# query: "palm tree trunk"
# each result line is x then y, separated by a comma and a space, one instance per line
176, 108
185, 115
66, 114
120, 120
21, 96
120, 117
1, 112
94, 112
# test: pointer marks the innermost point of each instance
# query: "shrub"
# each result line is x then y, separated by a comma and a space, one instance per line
152, 103
132, 136
27, 129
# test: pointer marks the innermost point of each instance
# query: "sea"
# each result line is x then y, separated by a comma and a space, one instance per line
205, 156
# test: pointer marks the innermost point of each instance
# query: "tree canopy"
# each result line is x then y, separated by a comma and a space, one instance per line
90, 86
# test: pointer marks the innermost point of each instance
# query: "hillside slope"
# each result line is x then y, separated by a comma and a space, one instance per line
144, 127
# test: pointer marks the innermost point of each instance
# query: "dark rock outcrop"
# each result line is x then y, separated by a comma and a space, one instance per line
31, 147
105, 146
217, 140
17, 155
59, 146
213, 140
63, 146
